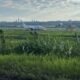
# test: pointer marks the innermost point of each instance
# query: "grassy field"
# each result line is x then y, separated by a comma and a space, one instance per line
31, 67
43, 42
45, 55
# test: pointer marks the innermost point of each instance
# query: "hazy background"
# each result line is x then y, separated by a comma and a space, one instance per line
42, 10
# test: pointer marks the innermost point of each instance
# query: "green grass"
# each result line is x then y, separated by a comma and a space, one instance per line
31, 67
50, 55
45, 42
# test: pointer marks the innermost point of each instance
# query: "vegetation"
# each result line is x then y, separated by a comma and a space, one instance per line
46, 55
2, 43
61, 43
31, 67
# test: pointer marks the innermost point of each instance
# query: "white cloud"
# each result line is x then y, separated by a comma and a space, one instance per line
7, 3
43, 9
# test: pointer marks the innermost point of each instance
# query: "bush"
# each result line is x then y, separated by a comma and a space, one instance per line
36, 47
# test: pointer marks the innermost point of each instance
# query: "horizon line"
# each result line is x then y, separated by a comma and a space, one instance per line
37, 20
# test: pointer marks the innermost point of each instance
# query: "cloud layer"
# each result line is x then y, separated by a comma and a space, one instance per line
40, 9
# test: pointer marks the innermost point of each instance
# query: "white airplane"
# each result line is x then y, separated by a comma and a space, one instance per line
33, 27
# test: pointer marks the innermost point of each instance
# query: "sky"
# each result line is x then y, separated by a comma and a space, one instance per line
39, 10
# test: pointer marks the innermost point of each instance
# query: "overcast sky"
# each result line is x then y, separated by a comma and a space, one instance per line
43, 10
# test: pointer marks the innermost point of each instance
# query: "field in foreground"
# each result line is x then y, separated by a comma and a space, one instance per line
46, 55
31, 67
